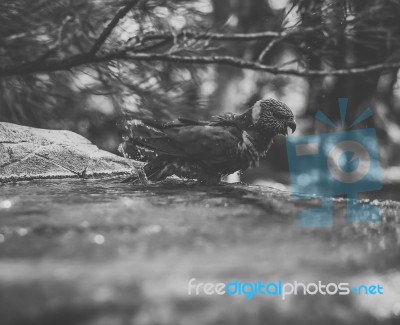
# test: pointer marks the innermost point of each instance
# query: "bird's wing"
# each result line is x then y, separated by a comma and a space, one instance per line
209, 144
214, 143
151, 137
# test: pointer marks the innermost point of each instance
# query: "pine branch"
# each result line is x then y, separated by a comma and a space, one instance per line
107, 31
219, 36
125, 55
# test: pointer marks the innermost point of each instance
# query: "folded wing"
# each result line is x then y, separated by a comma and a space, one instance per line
208, 143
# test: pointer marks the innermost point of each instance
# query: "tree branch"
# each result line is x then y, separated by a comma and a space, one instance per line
107, 31
268, 48
123, 54
252, 65
218, 36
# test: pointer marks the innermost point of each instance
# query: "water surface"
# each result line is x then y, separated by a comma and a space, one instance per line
100, 251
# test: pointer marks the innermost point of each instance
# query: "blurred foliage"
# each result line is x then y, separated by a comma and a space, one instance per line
95, 99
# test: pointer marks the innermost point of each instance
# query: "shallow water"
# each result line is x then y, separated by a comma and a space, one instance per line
100, 251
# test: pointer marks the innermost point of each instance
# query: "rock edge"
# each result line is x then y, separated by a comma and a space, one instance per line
28, 153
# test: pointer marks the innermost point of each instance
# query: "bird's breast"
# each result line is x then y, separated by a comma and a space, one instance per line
248, 153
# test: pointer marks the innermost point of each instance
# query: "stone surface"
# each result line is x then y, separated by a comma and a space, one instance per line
95, 251
30, 153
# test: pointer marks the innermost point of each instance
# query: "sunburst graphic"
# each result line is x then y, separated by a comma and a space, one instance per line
320, 116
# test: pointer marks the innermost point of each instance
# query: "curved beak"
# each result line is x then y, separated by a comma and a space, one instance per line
290, 125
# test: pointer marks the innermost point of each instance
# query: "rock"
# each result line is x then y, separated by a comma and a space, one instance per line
30, 153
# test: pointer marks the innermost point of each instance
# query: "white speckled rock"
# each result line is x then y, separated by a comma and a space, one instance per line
30, 153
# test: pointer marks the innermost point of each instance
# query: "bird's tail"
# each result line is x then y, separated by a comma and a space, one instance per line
146, 140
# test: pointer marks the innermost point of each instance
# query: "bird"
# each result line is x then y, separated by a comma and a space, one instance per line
206, 150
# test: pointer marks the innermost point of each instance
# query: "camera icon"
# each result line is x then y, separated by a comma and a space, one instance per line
338, 163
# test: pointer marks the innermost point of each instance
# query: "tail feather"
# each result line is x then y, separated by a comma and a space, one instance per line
138, 128
145, 136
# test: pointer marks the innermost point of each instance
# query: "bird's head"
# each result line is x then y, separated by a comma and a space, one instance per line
273, 117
